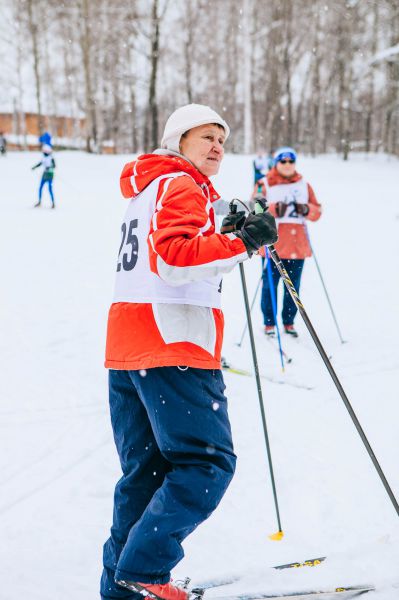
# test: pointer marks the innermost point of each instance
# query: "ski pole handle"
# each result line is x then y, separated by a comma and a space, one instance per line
260, 205
233, 206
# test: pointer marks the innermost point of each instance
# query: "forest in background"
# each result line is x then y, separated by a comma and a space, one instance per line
321, 75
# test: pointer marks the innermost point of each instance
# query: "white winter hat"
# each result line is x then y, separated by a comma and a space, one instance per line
185, 118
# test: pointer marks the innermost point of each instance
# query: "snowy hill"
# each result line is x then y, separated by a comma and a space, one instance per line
57, 461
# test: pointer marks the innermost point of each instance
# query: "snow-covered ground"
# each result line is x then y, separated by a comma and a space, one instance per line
58, 465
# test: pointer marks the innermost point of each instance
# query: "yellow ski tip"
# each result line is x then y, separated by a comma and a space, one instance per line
276, 537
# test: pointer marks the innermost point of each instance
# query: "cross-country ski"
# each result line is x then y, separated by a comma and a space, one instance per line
279, 380
340, 593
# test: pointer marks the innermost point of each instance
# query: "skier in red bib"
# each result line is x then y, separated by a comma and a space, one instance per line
292, 201
164, 339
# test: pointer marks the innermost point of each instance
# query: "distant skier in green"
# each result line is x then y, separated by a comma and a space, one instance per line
48, 164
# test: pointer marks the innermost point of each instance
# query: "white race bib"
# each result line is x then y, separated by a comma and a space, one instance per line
290, 194
135, 282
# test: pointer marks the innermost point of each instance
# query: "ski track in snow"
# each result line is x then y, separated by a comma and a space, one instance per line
58, 465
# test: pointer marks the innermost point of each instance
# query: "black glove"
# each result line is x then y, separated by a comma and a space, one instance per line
301, 209
281, 207
257, 231
233, 222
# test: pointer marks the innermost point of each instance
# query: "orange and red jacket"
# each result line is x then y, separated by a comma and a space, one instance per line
293, 241
166, 309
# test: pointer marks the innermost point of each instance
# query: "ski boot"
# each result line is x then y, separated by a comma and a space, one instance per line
224, 363
270, 330
163, 591
290, 329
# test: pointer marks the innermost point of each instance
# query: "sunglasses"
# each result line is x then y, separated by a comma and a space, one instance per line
289, 161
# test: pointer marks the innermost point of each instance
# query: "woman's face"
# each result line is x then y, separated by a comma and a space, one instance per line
203, 146
286, 167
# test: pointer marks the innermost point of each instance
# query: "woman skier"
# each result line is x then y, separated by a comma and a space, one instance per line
292, 201
164, 339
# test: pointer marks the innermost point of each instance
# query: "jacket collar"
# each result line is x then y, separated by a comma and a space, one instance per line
138, 174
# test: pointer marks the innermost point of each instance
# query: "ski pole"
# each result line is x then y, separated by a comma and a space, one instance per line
279, 534
323, 284
251, 307
274, 303
260, 206
239, 344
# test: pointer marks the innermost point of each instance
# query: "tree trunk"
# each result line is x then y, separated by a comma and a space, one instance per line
33, 30
247, 69
21, 119
392, 71
316, 88
287, 7
188, 49
152, 91
344, 54
371, 92
85, 42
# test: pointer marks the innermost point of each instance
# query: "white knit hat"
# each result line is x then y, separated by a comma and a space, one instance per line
185, 118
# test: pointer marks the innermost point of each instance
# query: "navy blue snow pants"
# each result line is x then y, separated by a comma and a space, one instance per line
173, 437
294, 267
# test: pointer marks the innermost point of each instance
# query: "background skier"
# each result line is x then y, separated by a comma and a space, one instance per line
48, 164
3, 144
292, 201
165, 330
262, 164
